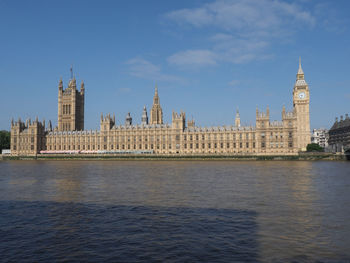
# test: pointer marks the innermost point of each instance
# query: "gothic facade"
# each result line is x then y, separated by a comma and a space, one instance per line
181, 137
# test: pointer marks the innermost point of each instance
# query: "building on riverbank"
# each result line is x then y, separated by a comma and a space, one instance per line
339, 135
285, 137
320, 137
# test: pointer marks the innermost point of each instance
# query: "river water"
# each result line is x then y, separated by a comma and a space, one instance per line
174, 211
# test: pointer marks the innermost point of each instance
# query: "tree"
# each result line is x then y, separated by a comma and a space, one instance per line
4, 140
314, 147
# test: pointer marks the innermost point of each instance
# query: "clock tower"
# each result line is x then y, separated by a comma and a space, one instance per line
301, 102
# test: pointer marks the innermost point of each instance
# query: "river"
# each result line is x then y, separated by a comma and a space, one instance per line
174, 211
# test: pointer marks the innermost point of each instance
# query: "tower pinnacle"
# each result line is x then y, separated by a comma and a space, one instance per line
300, 70
238, 119
156, 111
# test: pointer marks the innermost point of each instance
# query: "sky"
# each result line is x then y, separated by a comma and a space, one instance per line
208, 58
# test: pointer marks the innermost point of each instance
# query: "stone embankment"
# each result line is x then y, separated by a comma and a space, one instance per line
300, 157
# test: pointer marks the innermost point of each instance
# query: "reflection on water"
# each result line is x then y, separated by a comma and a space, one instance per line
175, 211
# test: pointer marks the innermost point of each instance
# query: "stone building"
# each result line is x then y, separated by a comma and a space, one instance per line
320, 137
71, 106
285, 137
339, 135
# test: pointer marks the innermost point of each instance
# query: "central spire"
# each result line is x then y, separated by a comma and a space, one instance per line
156, 111
156, 97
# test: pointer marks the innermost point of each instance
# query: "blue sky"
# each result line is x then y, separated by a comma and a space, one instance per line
207, 57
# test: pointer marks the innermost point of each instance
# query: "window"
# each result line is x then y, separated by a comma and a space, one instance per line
240, 145
247, 144
263, 145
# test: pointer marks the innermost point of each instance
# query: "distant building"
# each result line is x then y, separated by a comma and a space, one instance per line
320, 137
339, 135
286, 137
6, 151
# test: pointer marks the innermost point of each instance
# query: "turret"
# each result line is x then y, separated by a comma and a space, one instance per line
128, 120
60, 85
107, 122
191, 123
144, 118
82, 87
262, 118
179, 120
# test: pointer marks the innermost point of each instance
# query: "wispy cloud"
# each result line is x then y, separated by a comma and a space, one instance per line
243, 29
198, 58
234, 83
247, 15
142, 68
124, 90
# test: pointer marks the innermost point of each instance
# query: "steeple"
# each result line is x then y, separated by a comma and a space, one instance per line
300, 70
300, 81
156, 97
238, 119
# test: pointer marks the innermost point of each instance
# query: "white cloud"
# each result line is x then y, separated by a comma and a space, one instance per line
193, 58
251, 15
244, 29
142, 68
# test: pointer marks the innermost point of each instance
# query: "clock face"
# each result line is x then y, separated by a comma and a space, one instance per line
301, 95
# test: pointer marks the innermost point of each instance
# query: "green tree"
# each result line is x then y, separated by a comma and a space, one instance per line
314, 147
4, 140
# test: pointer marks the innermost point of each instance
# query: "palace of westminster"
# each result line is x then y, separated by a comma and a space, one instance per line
152, 136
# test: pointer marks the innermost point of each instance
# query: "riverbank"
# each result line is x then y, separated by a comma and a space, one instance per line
300, 157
